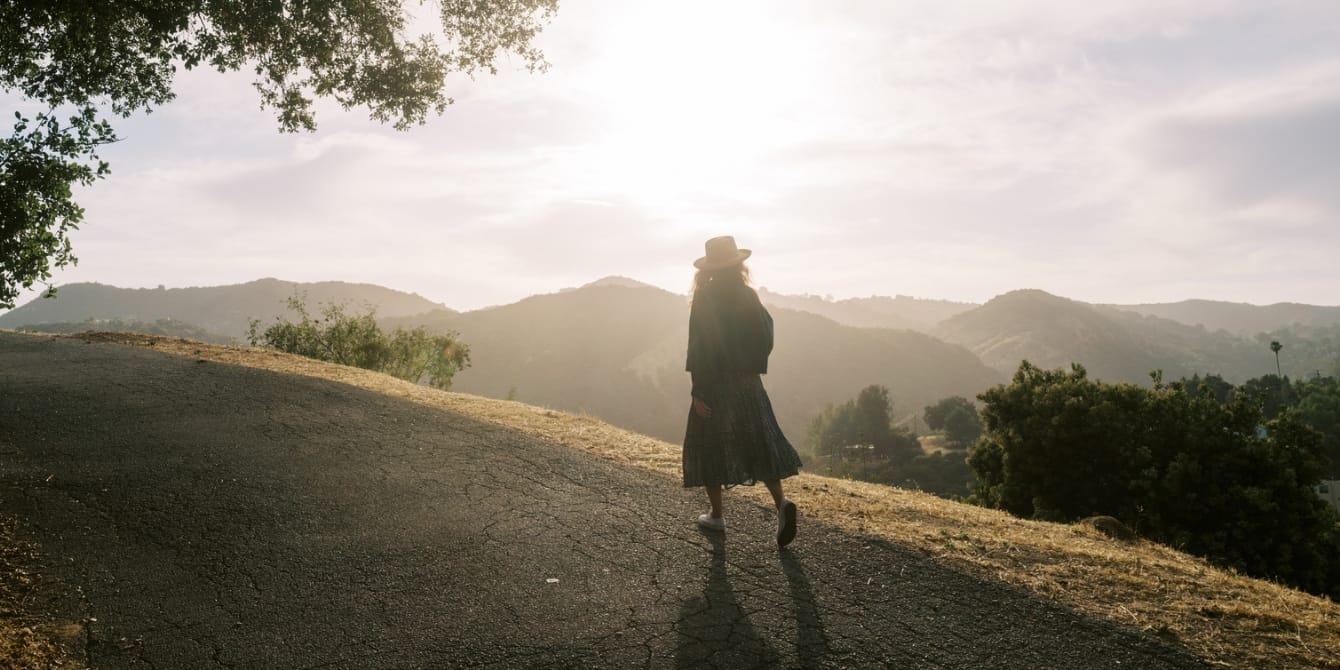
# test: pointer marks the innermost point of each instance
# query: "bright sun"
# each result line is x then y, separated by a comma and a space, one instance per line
694, 97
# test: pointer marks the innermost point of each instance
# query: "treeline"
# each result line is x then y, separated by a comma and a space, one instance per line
1317, 400
1221, 471
1313, 350
858, 440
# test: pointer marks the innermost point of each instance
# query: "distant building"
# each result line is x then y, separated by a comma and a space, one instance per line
1329, 490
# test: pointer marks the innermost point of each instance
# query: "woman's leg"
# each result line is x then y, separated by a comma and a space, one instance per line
714, 497
786, 513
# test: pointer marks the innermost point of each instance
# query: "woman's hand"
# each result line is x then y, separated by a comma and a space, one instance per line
702, 409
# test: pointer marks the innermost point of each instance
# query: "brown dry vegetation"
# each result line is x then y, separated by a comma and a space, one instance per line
1227, 619
23, 643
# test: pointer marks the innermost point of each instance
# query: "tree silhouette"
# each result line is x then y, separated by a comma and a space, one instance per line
1275, 346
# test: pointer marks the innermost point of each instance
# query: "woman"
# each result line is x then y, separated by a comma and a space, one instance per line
732, 436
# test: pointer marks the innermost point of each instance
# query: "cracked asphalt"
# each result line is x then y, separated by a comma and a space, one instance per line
200, 515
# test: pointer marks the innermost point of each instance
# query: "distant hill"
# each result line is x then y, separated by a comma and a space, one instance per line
617, 352
615, 280
165, 327
225, 310
1112, 344
1240, 318
899, 312
614, 347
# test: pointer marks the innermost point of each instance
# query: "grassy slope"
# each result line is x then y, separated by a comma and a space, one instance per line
1226, 619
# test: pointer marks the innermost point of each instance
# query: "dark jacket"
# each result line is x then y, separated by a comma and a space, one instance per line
729, 332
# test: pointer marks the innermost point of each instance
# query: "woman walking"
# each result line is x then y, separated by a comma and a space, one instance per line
732, 436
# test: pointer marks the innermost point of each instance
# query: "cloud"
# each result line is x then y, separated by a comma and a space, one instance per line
1255, 155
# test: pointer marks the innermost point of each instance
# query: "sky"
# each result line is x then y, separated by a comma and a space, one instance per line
1132, 152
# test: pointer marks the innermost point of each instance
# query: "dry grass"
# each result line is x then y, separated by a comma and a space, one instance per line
1226, 619
23, 644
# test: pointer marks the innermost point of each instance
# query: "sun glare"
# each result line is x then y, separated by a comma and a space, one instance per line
693, 97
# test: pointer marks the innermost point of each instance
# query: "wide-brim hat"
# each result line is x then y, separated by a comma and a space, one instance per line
721, 253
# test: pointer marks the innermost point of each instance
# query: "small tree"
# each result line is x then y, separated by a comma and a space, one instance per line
1216, 385
857, 439
415, 355
1319, 403
874, 421
865, 421
957, 417
356, 340
1273, 393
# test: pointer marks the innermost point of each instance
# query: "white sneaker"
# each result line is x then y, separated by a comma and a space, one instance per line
786, 523
711, 522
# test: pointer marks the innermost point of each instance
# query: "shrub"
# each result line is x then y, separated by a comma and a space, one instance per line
1212, 478
356, 340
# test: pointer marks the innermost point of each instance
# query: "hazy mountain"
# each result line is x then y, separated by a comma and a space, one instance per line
1240, 318
226, 310
898, 312
615, 280
1112, 344
166, 327
615, 347
617, 352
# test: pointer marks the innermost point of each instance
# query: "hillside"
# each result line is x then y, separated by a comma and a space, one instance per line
168, 327
1118, 342
1239, 318
613, 348
617, 352
1113, 345
603, 350
225, 310
356, 433
898, 313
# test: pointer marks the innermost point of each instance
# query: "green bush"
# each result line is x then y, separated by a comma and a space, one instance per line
957, 417
1216, 479
858, 440
861, 428
357, 340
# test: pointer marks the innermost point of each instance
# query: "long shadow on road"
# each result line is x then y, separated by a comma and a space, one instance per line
714, 631
811, 641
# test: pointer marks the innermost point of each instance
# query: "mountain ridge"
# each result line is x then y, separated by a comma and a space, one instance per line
1240, 318
623, 359
896, 311
226, 309
640, 337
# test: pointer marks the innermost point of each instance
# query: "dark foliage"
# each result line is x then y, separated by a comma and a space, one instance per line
957, 417
1216, 479
858, 440
355, 339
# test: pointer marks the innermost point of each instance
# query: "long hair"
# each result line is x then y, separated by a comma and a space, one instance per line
734, 273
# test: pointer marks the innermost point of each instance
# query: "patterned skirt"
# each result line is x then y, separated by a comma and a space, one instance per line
741, 443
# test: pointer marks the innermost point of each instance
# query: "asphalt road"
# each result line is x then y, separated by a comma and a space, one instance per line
201, 515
